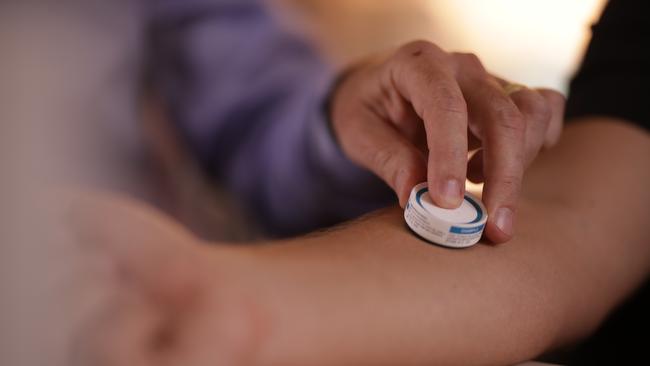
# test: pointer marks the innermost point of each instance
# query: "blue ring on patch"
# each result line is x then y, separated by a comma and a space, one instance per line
479, 211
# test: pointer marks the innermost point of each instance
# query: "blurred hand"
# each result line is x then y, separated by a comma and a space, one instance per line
172, 301
416, 114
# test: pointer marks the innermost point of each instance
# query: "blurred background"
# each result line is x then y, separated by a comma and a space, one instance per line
536, 42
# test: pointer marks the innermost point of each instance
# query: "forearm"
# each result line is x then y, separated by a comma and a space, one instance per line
373, 293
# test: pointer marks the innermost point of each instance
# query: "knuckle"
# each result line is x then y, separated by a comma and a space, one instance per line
381, 158
410, 162
469, 61
510, 182
513, 128
508, 116
400, 115
391, 164
450, 100
445, 98
418, 47
536, 107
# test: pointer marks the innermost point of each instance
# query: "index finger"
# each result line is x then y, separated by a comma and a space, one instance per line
423, 76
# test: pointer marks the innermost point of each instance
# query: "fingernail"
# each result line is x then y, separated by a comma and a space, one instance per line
503, 220
451, 193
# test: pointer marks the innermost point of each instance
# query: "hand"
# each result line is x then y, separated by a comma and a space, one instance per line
172, 301
416, 114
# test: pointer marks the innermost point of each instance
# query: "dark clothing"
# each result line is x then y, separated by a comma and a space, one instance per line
614, 77
613, 82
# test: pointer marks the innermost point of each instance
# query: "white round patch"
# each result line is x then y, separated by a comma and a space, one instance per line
463, 214
457, 228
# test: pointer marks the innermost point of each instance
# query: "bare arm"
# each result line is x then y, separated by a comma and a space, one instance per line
372, 293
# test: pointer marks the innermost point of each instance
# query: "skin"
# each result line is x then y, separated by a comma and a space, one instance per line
414, 115
370, 292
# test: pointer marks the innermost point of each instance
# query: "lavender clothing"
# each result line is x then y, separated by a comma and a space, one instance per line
250, 99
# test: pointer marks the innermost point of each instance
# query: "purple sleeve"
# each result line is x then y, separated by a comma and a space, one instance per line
250, 98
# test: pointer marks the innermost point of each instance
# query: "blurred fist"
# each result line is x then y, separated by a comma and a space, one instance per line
414, 116
171, 300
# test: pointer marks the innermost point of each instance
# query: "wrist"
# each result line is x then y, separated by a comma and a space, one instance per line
237, 298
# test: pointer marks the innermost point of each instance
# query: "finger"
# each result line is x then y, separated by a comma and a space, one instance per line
475, 168
503, 162
381, 148
530, 102
401, 114
503, 129
423, 75
537, 114
556, 101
